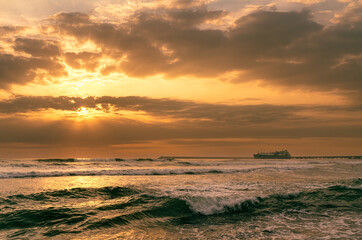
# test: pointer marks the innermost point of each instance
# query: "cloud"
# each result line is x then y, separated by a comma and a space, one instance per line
187, 111
282, 48
73, 17
106, 132
278, 48
176, 122
307, 1
169, 108
5, 30
37, 47
22, 70
193, 16
33, 59
86, 60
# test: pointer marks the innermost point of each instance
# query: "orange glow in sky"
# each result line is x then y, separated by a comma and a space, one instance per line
154, 77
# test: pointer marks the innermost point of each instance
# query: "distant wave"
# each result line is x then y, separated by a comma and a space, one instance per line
133, 205
23, 165
135, 171
56, 160
96, 159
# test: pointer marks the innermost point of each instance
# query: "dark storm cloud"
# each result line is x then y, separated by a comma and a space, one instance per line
70, 18
17, 68
186, 3
285, 48
329, 58
4, 30
261, 34
37, 47
45, 55
22, 70
192, 17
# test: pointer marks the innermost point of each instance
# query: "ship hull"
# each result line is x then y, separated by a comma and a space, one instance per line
258, 156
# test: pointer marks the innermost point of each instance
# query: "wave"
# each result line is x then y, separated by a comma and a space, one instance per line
56, 160
20, 165
133, 171
145, 160
338, 196
121, 206
107, 192
95, 160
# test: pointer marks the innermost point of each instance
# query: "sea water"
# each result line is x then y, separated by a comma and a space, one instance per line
180, 199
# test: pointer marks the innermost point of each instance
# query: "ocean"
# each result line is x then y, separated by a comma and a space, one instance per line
180, 199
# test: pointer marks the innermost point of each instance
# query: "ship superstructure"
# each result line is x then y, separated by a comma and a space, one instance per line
283, 154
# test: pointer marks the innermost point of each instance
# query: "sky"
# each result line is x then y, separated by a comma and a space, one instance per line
146, 78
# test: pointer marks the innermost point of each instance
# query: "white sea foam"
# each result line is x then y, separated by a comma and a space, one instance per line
215, 205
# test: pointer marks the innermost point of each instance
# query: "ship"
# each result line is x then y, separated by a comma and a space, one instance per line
283, 154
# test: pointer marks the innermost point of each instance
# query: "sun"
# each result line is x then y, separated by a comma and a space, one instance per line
83, 113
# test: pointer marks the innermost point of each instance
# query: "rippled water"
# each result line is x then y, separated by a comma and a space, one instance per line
180, 199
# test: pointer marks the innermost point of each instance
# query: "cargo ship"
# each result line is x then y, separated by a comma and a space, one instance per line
284, 154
